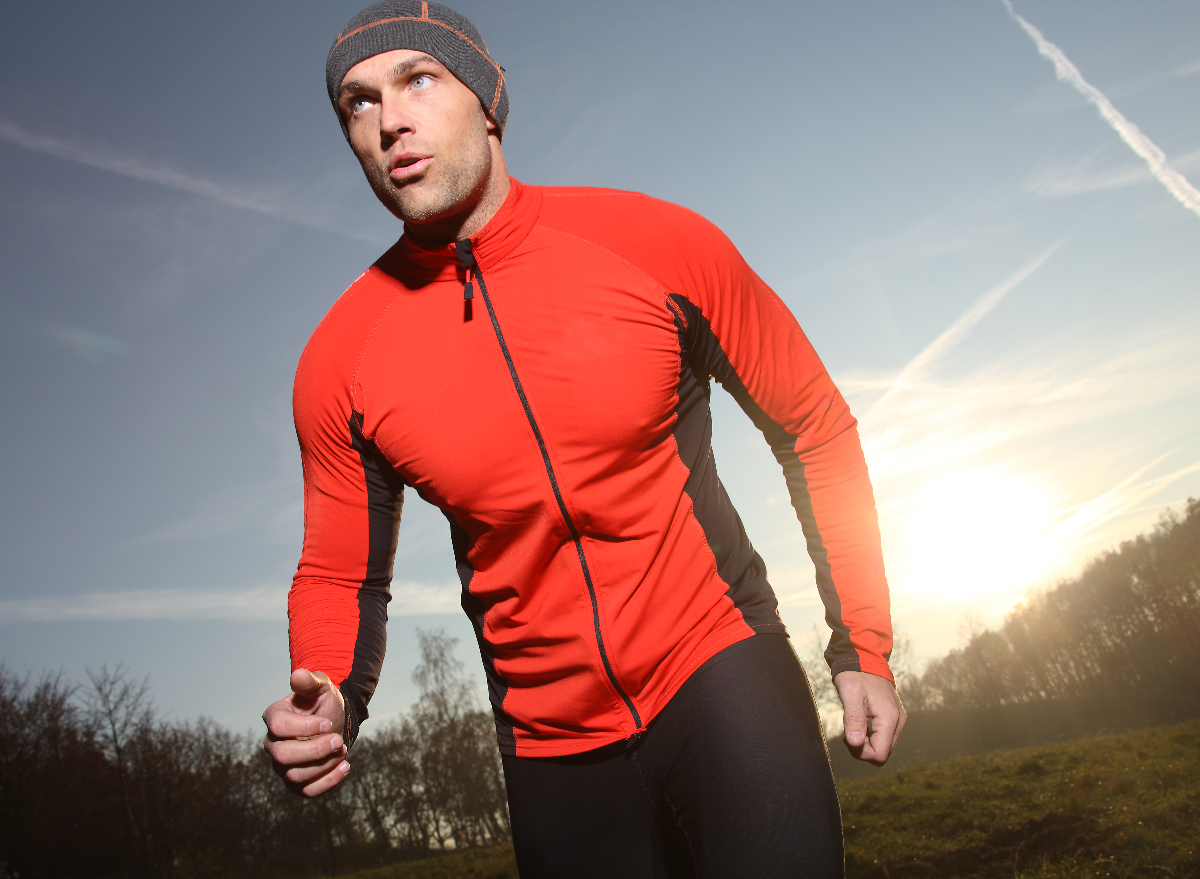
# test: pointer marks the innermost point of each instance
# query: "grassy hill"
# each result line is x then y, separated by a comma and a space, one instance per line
940, 735
1117, 806
1111, 806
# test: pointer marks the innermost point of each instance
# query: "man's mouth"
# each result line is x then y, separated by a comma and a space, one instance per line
407, 165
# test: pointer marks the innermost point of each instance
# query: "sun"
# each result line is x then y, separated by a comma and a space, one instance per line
967, 533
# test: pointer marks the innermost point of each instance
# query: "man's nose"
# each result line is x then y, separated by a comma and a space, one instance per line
394, 118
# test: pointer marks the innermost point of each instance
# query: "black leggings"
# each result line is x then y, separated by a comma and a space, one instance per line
730, 780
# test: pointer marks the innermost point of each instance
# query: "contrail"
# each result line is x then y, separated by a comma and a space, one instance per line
958, 330
165, 176
1175, 182
1129, 493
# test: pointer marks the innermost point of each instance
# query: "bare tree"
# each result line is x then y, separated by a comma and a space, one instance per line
433, 779
122, 712
829, 704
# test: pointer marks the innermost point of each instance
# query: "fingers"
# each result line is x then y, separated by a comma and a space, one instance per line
314, 707
321, 783
309, 767
284, 722
311, 778
878, 746
872, 717
854, 713
298, 752
298, 740
300, 777
303, 773
887, 718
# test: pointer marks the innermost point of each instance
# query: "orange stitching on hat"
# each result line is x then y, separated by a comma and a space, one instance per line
496, 96
424, 8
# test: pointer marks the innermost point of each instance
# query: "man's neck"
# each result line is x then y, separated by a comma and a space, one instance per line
467, 223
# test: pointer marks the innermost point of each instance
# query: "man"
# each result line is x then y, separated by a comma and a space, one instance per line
535, 362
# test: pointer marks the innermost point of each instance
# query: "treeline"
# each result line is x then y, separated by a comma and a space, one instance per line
1131, 620
92, 784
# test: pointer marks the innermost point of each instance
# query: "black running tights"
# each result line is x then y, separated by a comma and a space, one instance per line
730, 780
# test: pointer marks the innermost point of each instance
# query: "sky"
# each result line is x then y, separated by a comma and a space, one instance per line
984, 216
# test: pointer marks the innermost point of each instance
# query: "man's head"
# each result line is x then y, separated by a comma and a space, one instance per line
431, 28
423, 106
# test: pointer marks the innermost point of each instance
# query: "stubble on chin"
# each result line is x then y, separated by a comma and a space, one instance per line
432, 198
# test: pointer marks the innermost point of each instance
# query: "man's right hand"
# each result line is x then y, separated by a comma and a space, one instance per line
304, 734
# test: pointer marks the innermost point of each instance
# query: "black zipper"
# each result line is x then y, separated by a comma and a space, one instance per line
467, 258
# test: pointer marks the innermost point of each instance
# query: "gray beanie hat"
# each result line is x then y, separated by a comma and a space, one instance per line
424, 27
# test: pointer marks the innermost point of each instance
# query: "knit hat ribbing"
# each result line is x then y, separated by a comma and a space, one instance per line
423, 27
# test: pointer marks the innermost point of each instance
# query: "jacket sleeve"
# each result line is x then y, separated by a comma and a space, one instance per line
746, 338
337, 606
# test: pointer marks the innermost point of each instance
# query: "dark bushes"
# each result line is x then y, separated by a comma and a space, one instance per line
93, 785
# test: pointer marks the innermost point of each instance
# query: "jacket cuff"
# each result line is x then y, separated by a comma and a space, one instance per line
868, 664
350, 730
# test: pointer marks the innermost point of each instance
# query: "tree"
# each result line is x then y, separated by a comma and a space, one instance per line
1129, 621
433, 779
54, 785
121, 712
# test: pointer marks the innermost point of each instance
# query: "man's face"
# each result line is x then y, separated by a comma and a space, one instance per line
420, 135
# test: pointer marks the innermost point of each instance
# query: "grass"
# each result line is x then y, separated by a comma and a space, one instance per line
1108, 806
480, 863
1118, 806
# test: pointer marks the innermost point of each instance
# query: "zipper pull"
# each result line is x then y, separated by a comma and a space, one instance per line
467, 259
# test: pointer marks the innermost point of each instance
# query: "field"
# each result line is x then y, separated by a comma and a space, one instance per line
1117, 806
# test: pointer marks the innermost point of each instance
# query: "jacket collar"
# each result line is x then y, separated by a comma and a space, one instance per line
491, 244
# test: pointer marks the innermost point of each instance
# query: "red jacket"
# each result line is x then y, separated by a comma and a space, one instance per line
559, 418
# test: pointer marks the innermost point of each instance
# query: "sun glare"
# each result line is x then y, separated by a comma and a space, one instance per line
970, 533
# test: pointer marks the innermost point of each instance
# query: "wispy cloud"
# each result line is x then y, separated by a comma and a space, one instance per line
1078, 527
975, 447
272, 204
270, 508
1083, 176
1188, 68
1174, 182
944, 233
924, 362
1036, 390
85, 344
1000, 473
414, 599
259, 603
266, 602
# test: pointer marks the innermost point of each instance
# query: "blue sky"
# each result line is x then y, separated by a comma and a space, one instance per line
1002, 280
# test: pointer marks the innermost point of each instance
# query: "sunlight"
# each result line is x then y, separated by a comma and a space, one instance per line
970, 532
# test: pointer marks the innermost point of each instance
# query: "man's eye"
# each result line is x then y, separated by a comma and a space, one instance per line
359, 104
422, 81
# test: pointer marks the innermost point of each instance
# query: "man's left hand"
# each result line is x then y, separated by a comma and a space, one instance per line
872, 715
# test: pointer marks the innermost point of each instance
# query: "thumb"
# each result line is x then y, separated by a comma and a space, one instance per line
854, 722
306, 684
